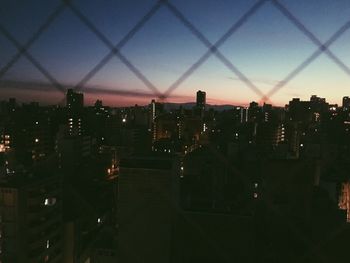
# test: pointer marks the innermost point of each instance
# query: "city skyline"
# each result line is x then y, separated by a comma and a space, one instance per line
265, 49
193, 101
170, 183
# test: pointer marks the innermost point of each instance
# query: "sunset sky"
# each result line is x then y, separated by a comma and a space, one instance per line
265, 49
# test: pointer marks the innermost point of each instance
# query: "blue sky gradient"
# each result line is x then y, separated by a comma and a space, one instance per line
265, 49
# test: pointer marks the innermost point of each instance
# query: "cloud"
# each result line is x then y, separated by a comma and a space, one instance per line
15, 86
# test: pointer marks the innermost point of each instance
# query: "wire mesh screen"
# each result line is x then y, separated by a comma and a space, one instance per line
130, 52
107, 53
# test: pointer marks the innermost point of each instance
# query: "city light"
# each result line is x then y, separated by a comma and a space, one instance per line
50, 201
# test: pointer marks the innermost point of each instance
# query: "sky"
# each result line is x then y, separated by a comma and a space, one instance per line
265, 49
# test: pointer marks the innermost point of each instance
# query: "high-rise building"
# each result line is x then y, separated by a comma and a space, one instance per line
155, 108
75, 100
75, 104
254, 112
201, 99
346, 103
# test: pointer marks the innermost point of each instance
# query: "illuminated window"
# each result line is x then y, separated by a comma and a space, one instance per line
50, 201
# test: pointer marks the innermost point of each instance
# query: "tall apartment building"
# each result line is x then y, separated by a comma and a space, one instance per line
75, 105
201, 99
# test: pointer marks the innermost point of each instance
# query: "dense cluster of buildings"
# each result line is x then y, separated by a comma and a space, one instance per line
159, 183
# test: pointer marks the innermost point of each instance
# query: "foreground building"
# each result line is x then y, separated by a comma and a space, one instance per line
147, 207
31, 218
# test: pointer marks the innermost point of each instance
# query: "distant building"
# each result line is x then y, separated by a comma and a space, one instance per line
5, 140
73, 150
346, 103
254, 112
201, 99
155, 108
74, 100
75, 105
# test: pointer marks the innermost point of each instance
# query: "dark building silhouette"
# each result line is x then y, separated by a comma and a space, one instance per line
346, 103
74, 100
201, 99
75, 105
147, 198
31, 216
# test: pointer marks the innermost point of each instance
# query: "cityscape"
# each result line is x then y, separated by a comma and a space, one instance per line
174, 131
174, 182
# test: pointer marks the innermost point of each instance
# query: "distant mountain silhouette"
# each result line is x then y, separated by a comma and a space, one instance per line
190, 105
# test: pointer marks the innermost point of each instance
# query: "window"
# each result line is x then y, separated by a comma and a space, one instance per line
50, 201
8, 198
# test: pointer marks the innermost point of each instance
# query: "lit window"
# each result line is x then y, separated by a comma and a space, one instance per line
50, 201
255, 195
